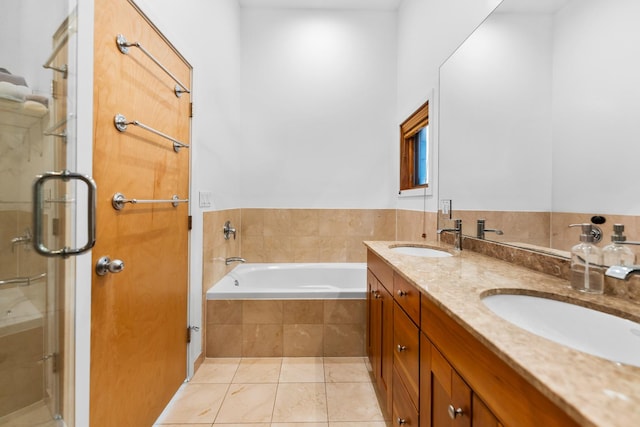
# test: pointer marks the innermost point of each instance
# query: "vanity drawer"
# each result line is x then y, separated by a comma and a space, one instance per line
406, 352
381, 270
407, 296
404, 413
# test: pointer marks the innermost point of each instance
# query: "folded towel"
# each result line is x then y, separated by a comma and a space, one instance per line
13, 92
34, 108
6, 76
38, 98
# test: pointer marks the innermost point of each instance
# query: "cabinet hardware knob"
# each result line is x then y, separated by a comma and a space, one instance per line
402, 293
377, 295
401, 421
401, 348
453, 412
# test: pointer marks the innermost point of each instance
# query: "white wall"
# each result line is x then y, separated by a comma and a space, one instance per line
596, 110
495, 135
318, 107
428, 32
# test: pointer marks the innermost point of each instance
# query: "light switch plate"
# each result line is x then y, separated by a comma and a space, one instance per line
205, 199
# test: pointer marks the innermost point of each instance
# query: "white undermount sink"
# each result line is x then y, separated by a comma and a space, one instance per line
420, 251
580, 328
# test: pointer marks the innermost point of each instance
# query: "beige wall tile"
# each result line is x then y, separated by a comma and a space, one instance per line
277, 222
333, 222
304, 222
278, 248
344, 311
343, 340
332, 249
262, 311
262, 340
252, 222
224, 312
224, 341
303, 311
305, 248
300, 340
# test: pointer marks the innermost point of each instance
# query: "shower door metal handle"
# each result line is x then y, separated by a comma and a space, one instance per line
38, 206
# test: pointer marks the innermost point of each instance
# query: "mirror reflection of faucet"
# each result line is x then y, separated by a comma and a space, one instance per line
481, 230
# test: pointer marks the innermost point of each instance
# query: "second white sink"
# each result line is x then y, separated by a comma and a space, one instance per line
420, 251
580, 328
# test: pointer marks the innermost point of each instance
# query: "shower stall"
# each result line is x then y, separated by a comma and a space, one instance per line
37, 204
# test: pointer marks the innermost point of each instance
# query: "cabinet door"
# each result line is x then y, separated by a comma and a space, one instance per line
406, 352
386, 345
450, 395
482, 416
380, 337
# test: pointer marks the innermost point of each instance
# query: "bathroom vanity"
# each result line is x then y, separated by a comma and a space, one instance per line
440, 357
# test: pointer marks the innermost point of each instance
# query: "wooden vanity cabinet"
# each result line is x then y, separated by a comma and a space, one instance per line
424, 362
445, 398
380, 332
512, 400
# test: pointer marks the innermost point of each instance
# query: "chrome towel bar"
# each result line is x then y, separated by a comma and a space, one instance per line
121, 124
124, 45
22, 281
119, 200
48, 63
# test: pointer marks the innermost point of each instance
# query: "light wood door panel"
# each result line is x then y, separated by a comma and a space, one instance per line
139, 316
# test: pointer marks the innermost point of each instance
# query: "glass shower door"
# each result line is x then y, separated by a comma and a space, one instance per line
37, 128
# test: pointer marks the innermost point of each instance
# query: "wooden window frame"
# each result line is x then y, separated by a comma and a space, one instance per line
408, 129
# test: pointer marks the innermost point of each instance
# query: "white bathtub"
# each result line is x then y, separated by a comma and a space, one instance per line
17, 312
293, 281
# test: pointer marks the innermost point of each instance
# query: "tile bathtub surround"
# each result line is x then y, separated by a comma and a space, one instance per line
275, 328
277, 392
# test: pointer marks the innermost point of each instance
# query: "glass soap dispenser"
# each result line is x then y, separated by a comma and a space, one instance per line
616, 253
587, 271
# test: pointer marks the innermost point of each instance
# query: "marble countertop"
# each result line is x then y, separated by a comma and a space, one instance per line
592, 390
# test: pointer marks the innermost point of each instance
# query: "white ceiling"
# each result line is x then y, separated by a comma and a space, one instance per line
323, 4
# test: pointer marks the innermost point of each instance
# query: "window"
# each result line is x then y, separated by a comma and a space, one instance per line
414, 150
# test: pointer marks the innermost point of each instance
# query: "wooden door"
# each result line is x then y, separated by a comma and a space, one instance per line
139, 316
450, 395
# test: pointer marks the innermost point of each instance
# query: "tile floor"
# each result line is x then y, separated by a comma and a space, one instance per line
276, 392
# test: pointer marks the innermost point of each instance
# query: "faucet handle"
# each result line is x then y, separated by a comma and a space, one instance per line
228, 230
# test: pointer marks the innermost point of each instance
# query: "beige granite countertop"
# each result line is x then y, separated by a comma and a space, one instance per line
594, 391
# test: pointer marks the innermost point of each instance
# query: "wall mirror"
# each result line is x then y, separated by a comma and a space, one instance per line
540, 124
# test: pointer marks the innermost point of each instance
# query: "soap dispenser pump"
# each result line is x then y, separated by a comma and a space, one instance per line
616, 253
587, 271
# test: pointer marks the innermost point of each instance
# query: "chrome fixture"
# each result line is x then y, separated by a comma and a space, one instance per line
121, 123
480, 229
229, 260
22, 281
21, 240
124, 45
228, 230
458, 233
106, 265
118, 200
596, 232
622, 272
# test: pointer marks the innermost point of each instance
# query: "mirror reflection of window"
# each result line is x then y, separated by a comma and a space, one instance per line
414, 150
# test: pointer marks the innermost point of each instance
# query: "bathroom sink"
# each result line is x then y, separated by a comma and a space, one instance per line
580, 328
420, 251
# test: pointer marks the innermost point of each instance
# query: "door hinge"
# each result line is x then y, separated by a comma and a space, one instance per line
191, 109
189, 222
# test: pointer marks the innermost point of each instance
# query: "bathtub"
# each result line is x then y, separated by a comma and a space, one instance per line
292, 281
17, 312
288, 310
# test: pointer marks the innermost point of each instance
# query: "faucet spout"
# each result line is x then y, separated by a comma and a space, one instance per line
458, 233
622, 272
481, 230
229, 260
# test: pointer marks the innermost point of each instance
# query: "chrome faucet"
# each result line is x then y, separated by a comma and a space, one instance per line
622, 272
458, 233
21, 240
480, 229
228, 230
229, 260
